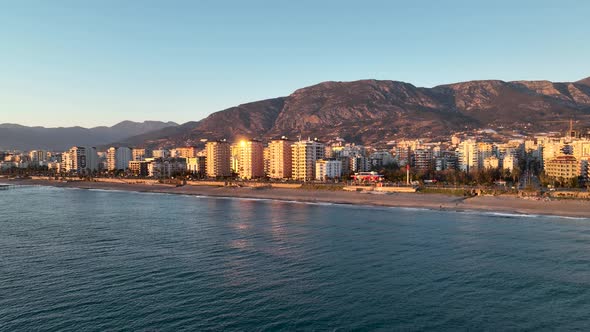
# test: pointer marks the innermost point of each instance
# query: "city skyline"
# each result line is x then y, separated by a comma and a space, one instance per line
68, 64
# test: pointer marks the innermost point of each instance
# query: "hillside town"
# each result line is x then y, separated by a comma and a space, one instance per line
549, 160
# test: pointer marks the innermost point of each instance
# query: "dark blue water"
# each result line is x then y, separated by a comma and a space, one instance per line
91, 260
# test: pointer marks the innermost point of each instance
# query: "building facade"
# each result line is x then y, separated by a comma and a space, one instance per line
251, 161
139, 154
218, 156
326, 169
139, 167
166, 168
280, 159
467, 154
183, 152
304, 156
197, 165
565, 167
118, 158
81, 160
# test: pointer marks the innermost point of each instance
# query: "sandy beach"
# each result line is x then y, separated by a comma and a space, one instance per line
500, 204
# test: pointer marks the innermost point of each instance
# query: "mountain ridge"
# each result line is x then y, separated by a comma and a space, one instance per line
122, 123
18, 137
370, 111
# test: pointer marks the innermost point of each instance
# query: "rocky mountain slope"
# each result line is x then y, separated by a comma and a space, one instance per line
13, 136
370, 111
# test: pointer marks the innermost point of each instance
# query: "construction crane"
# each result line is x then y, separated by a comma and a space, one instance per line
571, 132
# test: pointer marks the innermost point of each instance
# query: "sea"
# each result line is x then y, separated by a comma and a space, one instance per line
93, 260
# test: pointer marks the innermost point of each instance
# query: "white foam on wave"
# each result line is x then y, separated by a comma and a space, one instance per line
517, 215
106, 190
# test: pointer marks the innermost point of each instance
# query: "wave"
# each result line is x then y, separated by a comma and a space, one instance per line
336, 204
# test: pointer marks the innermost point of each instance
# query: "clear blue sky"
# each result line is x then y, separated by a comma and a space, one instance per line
91, 63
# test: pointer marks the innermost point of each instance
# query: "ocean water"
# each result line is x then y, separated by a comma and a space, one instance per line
86, 260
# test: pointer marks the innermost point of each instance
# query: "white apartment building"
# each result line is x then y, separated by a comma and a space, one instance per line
328, 169
81, 159
509, 162
118, 158
304, 156
467, 154
165, 168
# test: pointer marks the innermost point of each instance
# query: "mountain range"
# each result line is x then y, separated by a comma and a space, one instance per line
13, 136
370, 111
364, 111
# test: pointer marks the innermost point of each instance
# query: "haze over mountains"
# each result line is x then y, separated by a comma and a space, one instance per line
13, 136
370, 111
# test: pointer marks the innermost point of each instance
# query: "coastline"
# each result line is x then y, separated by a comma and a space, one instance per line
489, 204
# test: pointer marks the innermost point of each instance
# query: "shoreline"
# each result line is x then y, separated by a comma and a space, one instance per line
435, 202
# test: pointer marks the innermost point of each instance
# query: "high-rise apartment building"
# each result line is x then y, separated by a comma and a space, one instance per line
423, 159
184, 152
196, 165
139, 167
251, 164
118, 158
266, 156
235, 157
467, 154
280, 159
38, 157
509, 162
484, 151
139, 154
165, 168
328, 169
218, 159
81, 160
359, 163
304, 156
160, 153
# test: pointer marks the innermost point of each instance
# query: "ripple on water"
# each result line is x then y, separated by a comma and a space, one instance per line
97, 260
